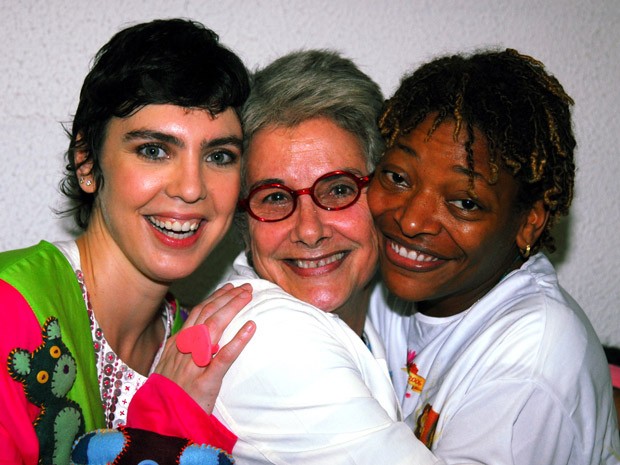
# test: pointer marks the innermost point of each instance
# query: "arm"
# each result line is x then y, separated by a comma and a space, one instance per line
305, 387
178, 399
308, 387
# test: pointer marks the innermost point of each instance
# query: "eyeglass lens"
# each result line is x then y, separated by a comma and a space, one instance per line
332, 192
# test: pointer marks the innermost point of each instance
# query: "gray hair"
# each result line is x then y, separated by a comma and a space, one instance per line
308, 84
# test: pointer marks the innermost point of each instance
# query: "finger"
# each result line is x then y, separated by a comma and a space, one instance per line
219, 301
195, 311
229, 353
218, 321
203, 383
216, 324
215, 302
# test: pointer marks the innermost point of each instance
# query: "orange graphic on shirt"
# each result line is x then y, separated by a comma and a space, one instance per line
426, 425
415, 381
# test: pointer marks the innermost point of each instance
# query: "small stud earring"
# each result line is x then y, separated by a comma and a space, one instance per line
89, 182
81, 180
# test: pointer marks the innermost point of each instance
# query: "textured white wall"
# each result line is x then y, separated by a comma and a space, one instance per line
46, 48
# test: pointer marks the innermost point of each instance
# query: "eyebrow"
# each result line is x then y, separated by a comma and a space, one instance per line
467, 172
173, 140
408, 150
263, 182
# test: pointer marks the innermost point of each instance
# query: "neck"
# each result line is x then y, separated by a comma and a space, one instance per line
354, 311
458, 303
125, 302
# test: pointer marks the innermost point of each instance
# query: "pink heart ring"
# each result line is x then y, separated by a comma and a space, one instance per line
196, 340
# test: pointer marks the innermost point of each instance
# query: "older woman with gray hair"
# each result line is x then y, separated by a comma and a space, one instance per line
312, 385
310, 127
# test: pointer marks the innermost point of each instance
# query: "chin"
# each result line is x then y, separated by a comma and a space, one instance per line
170, 274
328, 305
400, 286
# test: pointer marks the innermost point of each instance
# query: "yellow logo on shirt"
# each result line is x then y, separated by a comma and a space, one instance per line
415, 381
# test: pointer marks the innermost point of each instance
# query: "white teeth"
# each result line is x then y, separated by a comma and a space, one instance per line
319, 263
412, 254
172, 228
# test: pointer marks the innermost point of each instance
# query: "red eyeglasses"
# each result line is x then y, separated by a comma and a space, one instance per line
336, 190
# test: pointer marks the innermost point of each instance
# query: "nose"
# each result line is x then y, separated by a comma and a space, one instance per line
418, 214
309, 227
187, 181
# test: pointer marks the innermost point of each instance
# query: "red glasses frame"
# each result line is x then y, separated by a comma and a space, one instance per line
360, 181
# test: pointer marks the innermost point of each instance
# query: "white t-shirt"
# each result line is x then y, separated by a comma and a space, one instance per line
307, 390
519, 378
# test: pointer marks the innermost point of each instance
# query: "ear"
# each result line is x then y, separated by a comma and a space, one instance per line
84, 172
532, 225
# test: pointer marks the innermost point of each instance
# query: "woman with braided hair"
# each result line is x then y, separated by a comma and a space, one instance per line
492, 360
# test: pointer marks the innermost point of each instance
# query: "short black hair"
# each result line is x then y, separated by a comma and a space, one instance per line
165, 61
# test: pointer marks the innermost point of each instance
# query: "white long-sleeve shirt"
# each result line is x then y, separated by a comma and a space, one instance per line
308, 390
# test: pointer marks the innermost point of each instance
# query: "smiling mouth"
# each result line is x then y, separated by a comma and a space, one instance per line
175, 229
318, 263
411, 254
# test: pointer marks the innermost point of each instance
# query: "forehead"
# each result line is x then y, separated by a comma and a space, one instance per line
303, 152
443, 162
449, 146
176, 119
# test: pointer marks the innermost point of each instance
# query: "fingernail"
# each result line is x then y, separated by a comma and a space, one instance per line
250, 326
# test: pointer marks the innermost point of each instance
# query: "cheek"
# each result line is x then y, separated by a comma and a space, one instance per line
489, 248
131, 186
224, 192
265, 240
373, 200
364, 228
378, 202
358, 226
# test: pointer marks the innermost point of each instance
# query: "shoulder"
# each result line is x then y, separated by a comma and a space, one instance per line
21, 273
532, 297
531, 322
290, 326
269, 301
37, 254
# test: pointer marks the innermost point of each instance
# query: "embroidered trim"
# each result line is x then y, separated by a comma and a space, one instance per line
117, 381
133, 445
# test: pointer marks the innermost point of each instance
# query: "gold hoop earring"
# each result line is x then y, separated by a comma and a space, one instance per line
526, 251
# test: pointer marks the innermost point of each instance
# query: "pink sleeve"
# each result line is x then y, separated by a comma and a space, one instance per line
161, 406
19, 328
